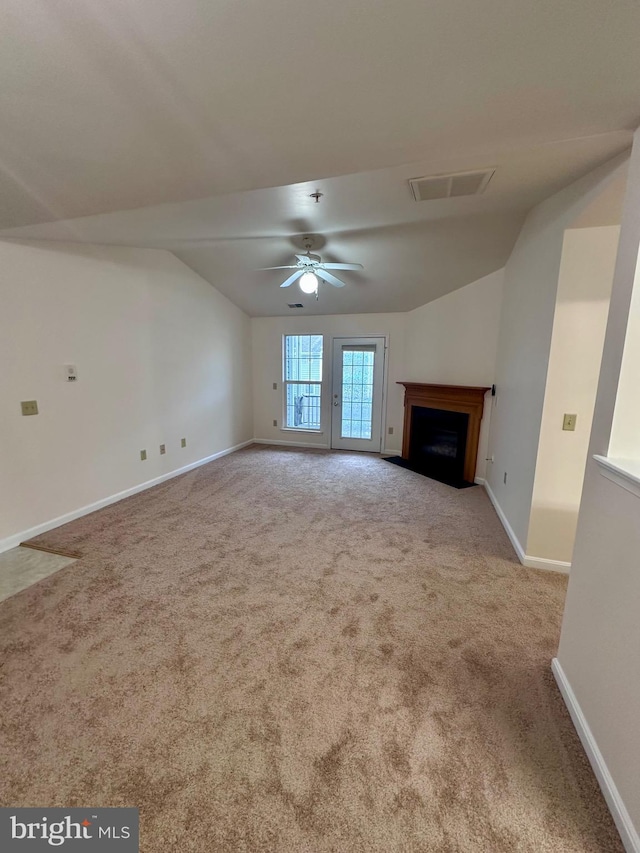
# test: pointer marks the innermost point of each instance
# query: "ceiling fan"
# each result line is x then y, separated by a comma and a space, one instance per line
310, 268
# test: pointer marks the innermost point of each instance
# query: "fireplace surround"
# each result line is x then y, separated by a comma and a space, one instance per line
442, 429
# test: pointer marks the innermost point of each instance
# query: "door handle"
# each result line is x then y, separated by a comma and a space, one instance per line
336, 403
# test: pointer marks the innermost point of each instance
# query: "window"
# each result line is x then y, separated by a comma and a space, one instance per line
302, 381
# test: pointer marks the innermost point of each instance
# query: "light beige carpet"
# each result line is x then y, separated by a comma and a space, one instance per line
299, 652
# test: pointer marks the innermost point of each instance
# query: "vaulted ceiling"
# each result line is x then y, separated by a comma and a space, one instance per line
203, 128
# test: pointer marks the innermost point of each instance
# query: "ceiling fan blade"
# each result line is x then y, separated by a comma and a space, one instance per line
328, 277
292, 278
343, 266
288, 267
304, 259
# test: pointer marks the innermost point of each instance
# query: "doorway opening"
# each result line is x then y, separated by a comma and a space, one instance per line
582, 306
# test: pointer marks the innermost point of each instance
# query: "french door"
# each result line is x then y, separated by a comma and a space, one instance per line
356, 394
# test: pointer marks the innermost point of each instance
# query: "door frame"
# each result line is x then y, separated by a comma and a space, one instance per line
385, 377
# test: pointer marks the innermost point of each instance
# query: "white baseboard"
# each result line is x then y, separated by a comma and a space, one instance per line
13, 541
526, 559
280, 443
517, 547
479, 481
621, 817
546, 564
388, 452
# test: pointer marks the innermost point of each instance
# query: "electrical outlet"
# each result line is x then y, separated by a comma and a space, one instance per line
143, 455
275, 423
569, 422
183, 442
275, 386
390, 430
505, 478
29, 407
163, 449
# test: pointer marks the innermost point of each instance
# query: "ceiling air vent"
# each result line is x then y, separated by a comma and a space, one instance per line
448, 186
295, 304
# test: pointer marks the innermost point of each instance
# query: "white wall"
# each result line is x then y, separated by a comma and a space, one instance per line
454, 340
530, 285
160, 354
451, 340
582, 306
599, 651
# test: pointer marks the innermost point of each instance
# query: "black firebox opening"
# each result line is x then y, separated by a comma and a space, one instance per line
438, 444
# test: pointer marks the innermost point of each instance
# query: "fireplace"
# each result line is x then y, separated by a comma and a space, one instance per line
442, 429
438, 443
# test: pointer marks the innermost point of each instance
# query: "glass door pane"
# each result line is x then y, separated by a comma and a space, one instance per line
357, 393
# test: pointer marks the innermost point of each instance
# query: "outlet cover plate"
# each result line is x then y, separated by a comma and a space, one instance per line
29, 407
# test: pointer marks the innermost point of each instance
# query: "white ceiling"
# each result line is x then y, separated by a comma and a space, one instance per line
112, 106
413, 252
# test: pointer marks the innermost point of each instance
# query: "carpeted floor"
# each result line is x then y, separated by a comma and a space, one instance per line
298, 652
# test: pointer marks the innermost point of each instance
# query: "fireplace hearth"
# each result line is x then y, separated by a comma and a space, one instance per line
441, 431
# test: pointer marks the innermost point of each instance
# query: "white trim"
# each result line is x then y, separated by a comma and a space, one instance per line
624, 472
526, 559
388, 452
621, 817
280, 443
303, 431
505, 523
13, 541
479, 481
546, 564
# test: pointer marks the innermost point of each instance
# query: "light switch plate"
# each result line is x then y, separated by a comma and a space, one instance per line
183, 442
29, 407
143, 455
163, 449
569, 422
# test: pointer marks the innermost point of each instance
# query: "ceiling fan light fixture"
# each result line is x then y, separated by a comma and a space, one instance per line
309, 283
